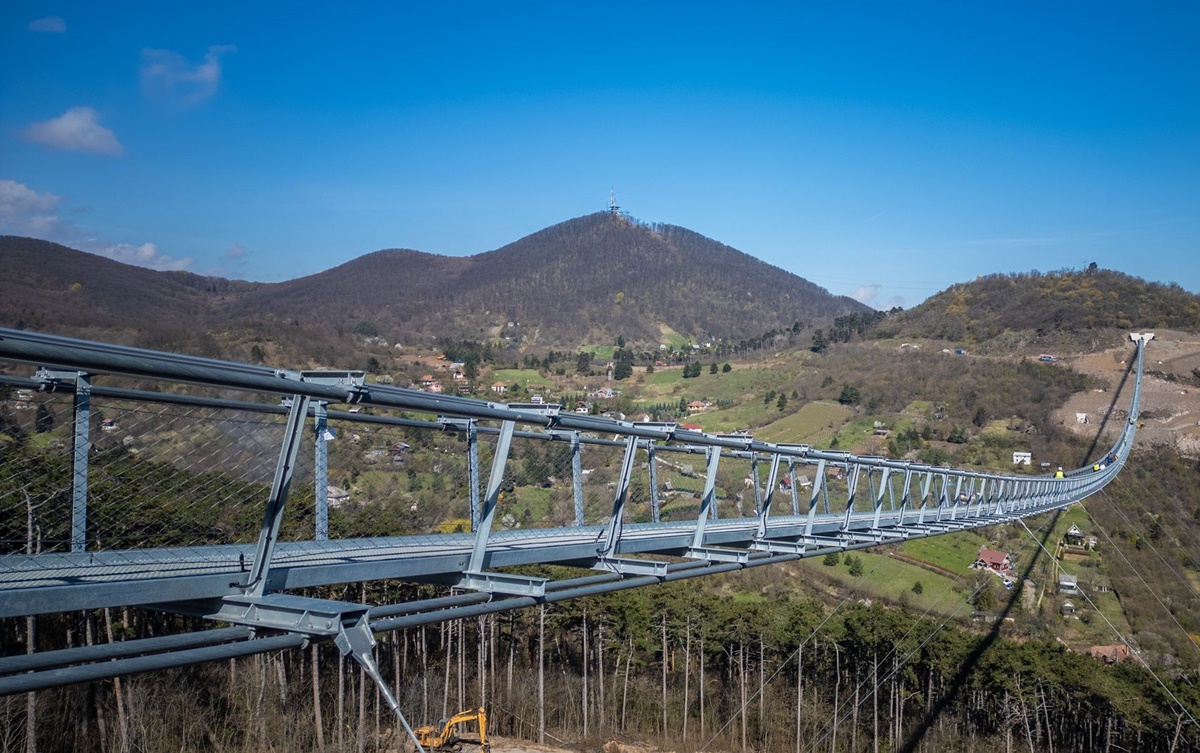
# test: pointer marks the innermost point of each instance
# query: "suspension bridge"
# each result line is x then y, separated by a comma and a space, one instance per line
131, 477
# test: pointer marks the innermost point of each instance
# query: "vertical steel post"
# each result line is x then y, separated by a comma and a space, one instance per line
795, 491
79, 475
655, 505
473, 471
577, 477
321, 470
758, 500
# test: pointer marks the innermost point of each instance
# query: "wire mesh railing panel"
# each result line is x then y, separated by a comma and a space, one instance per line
179, 476
538, 488
36, 441
387, 480
600, 468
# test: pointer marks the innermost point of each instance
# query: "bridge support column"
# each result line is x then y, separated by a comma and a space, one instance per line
79, 473
321, 471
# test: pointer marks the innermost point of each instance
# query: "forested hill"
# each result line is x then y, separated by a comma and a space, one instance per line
1068, 302
599, 276
591, 278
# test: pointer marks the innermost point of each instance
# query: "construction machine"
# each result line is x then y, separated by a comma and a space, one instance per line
444, 735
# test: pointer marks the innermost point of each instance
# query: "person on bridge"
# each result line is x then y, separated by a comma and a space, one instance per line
1059, 472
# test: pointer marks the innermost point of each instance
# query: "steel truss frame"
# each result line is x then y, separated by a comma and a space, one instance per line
627, 555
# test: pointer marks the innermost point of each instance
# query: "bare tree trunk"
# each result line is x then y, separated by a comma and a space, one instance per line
664, 674
625, 690
360, 739
875, 699
687, 673
462, 665
542, 673
260, 712
854, 713
600, 708
762, 686
341, 703
122, 720
837, 687
799, 691
97, 705
742, 683
585, 674
701, 720
447, 646
318, 723
423, 647
33, 543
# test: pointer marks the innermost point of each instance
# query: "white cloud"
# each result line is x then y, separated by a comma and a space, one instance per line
866, 294
237, 253
167, 75
24, 211
49, 24
76, 130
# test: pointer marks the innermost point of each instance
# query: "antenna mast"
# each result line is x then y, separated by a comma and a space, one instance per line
613, 209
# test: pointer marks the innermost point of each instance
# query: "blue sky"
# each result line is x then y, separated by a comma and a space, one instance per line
883, 150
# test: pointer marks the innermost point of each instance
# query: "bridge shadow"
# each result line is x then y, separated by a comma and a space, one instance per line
1112, 404
959, 681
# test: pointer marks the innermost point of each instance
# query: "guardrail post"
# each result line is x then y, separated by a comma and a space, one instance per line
655, 505
79, 475
765, 510
817, 484
616, 519
577, 477
484, 527
473, 471
321, 470
794, 490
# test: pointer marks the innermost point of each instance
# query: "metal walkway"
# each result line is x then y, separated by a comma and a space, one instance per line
135, 477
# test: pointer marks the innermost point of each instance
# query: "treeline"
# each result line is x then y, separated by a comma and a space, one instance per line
1046, 303
671, 664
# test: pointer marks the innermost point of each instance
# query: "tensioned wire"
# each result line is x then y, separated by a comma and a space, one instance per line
1122, 638
903, 662
1142, 508
783, 665
1113, 546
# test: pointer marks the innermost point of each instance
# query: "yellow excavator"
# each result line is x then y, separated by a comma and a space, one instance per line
444, 735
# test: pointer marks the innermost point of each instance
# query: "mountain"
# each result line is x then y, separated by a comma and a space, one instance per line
1066, 303
592, 278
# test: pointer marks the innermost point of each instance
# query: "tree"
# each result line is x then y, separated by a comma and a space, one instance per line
917, 588
830, 560
366, 329
957, 435
44, 422
856, 566
727, 368
981, 417
819, 343
850, 395
767, 398
583, 363
712, 369
781, 403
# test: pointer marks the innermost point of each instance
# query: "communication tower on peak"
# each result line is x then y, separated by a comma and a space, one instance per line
613, 209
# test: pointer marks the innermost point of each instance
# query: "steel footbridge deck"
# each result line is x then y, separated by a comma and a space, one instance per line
131, 477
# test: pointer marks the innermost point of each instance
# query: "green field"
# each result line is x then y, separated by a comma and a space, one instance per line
812, 422
527, 378
889, 578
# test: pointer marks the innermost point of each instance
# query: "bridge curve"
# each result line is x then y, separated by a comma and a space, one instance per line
812, 502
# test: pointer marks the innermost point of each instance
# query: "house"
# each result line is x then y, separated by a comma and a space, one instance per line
336, 496
1068, 584
989, 559
1074, 535
108, 424
427, 381
836, 472
1067, 609
691, 427
435, 387
1115, 654
1022, 458
697, 406
499, 388
1081, 418
537, 400
660, 364
583, 407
